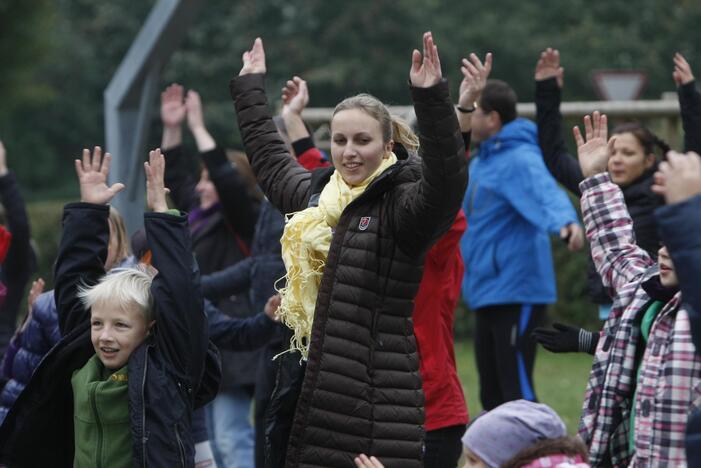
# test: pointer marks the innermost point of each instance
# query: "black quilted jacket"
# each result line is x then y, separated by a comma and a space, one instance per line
361, 390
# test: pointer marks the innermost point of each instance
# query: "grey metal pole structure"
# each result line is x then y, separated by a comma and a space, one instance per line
129, 100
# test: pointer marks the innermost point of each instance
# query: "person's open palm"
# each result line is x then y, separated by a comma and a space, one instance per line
425, 70
173, 106
548, 66
682, 70
295, 96
593, 151
475, 75
92, 175
155, 187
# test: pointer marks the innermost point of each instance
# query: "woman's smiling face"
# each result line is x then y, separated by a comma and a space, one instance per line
357, 148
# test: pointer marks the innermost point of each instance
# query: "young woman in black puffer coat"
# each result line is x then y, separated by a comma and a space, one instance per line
354, 249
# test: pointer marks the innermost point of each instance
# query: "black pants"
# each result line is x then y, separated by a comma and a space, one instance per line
505, 352
443, 447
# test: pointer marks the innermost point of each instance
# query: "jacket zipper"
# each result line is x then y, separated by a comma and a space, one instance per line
143, 410
181, 447
93, 402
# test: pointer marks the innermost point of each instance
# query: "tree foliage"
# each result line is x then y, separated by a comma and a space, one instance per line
58, 57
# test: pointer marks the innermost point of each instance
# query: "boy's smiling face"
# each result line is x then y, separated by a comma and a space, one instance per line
116, 332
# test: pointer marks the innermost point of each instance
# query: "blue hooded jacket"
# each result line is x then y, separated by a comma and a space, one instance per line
512, 203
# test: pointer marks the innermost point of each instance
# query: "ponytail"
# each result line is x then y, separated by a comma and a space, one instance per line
402, 134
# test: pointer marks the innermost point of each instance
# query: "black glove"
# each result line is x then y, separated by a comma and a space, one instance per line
566, 339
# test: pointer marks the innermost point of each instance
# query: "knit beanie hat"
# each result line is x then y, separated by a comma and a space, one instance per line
500, 434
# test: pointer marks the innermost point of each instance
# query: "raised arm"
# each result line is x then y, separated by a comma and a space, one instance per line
83, 249
19, 261
238, 334
295, 97
689, 103
179, 175
427, 209
609, 228
232, 280
475, 75
549, 77
284, 181
181, 325
240, 209
172, 116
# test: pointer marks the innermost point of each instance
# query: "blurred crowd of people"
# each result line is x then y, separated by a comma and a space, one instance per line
284, 306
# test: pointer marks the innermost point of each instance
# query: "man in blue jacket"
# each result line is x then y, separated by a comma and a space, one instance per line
512, 205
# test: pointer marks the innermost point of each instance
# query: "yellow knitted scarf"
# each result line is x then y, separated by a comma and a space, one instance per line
305, 246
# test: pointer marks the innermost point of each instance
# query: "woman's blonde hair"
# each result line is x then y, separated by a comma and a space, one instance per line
393, 127
119, 230
122, 288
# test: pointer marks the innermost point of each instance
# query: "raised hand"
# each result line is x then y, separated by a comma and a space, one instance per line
34, 292
254, 59
679, 177
682, 70
295, 96
3, 160
363, 461
193, 105
173, 106
475, 75
548, 66
272, 306
593, 152
155, 187
425, 71
92, 175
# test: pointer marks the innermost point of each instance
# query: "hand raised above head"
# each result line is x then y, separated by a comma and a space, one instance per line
92, 174
254, 59
682, 70
193, 104
475, 75
594, 151
173, 106
679, 177
295, 96
548, 66
34, 292
425, 70
155, 188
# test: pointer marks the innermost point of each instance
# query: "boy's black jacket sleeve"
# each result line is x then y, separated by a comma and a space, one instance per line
181, 330
81, 258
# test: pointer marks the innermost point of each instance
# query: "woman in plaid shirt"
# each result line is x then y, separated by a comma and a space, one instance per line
646, 375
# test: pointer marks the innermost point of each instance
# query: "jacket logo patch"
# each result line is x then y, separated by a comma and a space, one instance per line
364, 223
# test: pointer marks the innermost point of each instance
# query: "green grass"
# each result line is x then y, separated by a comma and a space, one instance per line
560, 381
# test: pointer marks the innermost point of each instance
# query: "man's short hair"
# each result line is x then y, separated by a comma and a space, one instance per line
122, 287
498, 96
